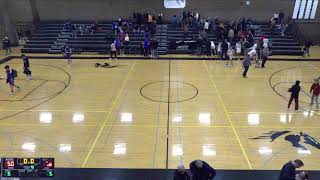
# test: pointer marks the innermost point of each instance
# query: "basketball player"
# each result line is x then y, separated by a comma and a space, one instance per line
26, 67
11, 75
67, 54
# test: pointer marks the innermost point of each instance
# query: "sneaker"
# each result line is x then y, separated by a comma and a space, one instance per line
11, 93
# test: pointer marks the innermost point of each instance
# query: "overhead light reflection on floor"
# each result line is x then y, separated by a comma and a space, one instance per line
45, 117
253, 119
177, 150
64, 147
28, 146
78, 117
177, 118
303, 151
208, 150
204, 118
265, 151
120, 149
285, 118
126, 117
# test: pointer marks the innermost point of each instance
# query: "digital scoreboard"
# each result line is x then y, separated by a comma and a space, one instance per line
27, 167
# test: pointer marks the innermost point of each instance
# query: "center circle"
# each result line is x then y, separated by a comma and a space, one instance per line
169, 91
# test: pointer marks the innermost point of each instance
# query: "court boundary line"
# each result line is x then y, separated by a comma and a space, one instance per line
66, 85
33, 90
113, 104
168, 117
227, 114
158, 120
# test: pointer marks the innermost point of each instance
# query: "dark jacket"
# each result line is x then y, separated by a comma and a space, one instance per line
205, 173
288, 172
6, 43
179, 176
26, 62
224, 47
295, 89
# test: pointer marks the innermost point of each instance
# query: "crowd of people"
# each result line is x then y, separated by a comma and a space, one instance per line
233, 39
83, 29
200, 170
140, 25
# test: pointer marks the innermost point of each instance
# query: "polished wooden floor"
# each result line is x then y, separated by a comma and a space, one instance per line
120, 117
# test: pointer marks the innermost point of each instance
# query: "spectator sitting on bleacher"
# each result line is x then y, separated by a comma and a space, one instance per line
67, 26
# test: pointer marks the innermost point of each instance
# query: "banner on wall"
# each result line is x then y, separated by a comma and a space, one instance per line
174, 4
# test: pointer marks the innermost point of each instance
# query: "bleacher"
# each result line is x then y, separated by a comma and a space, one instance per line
176, 34
280, 45
49, 37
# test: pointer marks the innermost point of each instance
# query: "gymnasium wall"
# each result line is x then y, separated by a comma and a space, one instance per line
110, 9
20, 10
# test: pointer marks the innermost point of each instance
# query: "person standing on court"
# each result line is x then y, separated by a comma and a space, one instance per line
288, 171
11, 75
113, 51
265, 55
26, 67
295, 90
67, 53
181, 174
315, 90
246, 64
201, 170
7, 45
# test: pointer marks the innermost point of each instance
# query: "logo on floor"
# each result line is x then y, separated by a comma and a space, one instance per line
294, 139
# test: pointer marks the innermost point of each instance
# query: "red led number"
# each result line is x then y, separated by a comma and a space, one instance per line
49, 164
10, 163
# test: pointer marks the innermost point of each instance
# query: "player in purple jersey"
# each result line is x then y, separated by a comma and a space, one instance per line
11, 75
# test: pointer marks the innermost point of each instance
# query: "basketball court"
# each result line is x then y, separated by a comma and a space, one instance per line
158, 114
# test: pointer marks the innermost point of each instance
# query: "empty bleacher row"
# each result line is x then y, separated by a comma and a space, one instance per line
49, 37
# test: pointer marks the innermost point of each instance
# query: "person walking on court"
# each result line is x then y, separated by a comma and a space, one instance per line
26, 67
288, 171
246, 64
315, 90
11, 75
113, 50
295, 90
201, 170
181, 174
306, 49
